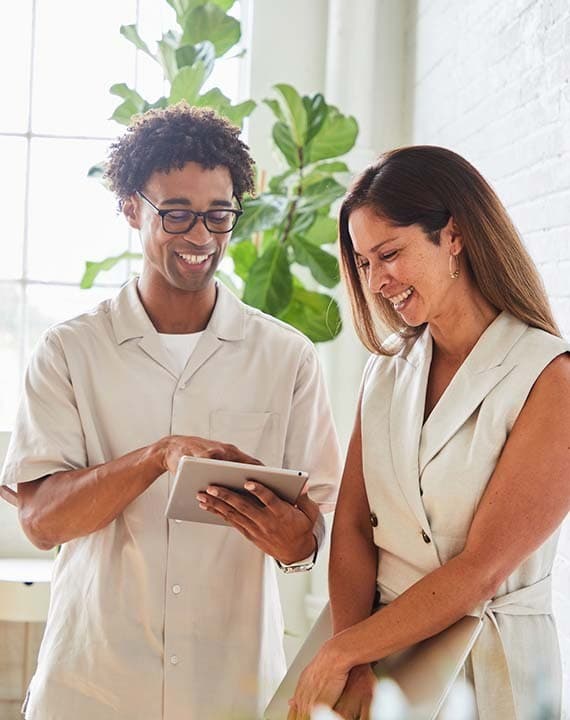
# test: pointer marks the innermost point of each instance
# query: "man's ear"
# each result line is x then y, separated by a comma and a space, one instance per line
131, 210
451, 233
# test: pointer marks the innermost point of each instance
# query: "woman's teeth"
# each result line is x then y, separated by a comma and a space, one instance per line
193, 259
398, 300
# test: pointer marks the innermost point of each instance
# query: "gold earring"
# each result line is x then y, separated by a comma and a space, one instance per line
453, 266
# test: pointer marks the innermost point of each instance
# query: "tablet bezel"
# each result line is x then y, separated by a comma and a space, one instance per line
195, 474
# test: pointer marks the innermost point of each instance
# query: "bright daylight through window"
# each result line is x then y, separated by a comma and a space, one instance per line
63, 56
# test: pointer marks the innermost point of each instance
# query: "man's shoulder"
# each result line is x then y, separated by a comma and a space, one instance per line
259, 322
91, 322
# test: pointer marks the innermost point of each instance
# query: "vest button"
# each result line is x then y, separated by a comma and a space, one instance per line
373, 519
426, 537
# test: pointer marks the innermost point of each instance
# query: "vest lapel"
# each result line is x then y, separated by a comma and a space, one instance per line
481, 371
406, 418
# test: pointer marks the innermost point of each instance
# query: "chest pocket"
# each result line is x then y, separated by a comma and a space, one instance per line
256, 433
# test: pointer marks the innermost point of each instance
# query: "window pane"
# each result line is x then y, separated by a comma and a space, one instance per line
47, 305
15, 43
12, 191
80, 54
72, 218
10, 362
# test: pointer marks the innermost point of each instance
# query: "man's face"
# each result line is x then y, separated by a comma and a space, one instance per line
189, 260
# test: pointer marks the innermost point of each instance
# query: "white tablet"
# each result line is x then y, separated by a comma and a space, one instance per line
194, 475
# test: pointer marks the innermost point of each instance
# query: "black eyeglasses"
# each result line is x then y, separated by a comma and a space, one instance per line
176, 222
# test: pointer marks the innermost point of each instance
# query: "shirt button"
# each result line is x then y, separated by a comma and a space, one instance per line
174, 659
426, 537
176, 589
373, 519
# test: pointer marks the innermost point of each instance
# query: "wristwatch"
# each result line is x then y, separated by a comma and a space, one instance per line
301, 565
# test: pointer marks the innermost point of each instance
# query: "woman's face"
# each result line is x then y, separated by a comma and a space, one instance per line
404, 266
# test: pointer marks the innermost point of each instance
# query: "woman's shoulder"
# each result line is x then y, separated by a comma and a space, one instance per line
536, 347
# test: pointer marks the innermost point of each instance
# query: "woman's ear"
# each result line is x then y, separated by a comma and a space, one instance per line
131, 210
451, 234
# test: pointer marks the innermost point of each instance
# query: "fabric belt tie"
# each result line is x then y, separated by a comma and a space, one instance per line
495, 698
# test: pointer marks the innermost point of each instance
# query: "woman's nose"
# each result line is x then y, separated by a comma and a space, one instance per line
376, 278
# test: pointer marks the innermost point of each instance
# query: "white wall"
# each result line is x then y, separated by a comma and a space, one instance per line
491, 80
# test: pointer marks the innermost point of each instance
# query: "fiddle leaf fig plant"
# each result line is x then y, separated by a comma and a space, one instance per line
281, 263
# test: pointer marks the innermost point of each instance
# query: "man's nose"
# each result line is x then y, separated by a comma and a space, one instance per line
198, 233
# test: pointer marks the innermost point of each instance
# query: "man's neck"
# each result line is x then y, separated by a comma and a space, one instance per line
175, 311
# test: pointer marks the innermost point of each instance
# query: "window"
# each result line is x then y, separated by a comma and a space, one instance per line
62, 58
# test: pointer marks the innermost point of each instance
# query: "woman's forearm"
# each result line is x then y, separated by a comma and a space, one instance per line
429, 606
352, 577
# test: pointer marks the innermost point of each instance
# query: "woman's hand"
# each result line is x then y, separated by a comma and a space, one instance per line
356, 698
322, 681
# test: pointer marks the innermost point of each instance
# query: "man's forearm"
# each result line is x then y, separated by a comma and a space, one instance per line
74, 503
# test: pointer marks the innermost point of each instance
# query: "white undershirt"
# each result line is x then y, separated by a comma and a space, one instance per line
180, 347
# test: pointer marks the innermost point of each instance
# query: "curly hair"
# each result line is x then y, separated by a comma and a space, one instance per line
166, 139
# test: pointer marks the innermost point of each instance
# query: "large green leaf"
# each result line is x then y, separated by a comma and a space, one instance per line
167, 57
275, 108
269, 285
237, 113
210, 22
122, 90
323, 170
216, 100
124, 112
244, 254
131, 33
260, 213
323, 192
294, 111
314, 314
285, 143
317, 110
187, 83
203, 51
322, 232
302, 222
184, 7
277, 184
336, 137
323, 265
92, 269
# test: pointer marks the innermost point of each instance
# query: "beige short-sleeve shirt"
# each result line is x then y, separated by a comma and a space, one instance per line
152, 618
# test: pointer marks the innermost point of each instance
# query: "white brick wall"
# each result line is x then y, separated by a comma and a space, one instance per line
491, 80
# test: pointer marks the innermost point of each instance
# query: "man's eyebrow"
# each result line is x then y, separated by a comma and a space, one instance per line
185, 201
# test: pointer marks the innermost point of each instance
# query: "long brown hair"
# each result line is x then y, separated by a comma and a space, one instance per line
425, 185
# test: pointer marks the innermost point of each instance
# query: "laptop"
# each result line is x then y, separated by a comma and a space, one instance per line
424, 672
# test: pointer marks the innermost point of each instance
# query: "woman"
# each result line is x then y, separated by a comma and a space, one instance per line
457, 475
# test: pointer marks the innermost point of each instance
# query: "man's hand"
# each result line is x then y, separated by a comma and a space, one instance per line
174, 447
278, 528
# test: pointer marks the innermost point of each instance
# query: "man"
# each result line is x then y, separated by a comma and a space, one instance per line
153, 618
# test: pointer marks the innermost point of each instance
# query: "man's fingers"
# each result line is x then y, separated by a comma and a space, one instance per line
308, 506
248, 507
264, 495
240, 521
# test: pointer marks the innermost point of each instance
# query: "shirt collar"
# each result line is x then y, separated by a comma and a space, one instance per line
130, 320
